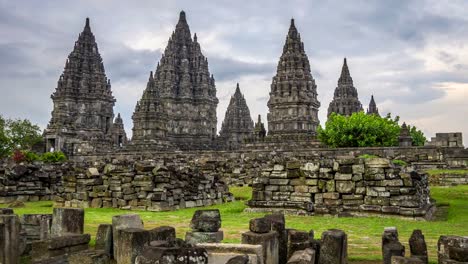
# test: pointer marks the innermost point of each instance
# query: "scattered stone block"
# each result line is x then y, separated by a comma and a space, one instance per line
6, 211
418, 247
104, 239
122, 222
9, 239
390, 245
278, 224
243, 259
130, 243
403, 260
452, 248
66, 221
206, 221
90, 257
268, 241
163, 233
297, 240
260, 225
169, 255
334, 247
221, 253
306, 256
59, 246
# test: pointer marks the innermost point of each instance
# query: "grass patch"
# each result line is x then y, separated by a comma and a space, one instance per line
367, 156
364, 234
437, 172
399, 162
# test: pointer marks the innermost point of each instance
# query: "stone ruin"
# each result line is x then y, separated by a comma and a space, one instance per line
341, 186
59, 238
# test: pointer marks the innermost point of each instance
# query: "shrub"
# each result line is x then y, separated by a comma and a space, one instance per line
367, 156
31, 156
399, 162
18, 156
53, 157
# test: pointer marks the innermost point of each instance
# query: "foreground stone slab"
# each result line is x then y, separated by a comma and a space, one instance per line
6, 211
122, 222
334, 247
452, 248
306, 256
222, 253
89, 257
390, 245
268, 241
244, 259
403, 260
104, 239
59, 246
297, 240
170, 255
206, 221
67, 221
9, 239
130, 243
278, 224
163, 233
418, 247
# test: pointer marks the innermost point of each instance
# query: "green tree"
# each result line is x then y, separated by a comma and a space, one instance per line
362, 130
4, 144
417, 136
17, 134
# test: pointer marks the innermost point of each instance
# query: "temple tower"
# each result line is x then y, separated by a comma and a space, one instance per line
119, 136
237, 125
82, 116
259, 130
179, 103
293, 105
373, 110
345, 99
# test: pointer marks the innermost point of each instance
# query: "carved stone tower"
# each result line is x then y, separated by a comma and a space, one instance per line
83, 115
259, 130
405, 139
119, 137
237, 125
345, 99
373, 110
179, 103
293, 105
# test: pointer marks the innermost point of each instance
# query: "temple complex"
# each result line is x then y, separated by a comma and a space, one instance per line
178, 106
293, 105
237, 125
82, 117
345, 99
372, 110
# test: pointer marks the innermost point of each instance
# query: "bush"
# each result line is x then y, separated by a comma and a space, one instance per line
31, 156
17, 134
53, 157
18, 156
367, 156
399, 162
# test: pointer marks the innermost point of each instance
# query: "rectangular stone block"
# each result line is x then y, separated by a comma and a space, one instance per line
269, 243
130, 243
221, 253
193, 237
333, 247
89, 257
122, 222
67, 221
9, 239
104, 239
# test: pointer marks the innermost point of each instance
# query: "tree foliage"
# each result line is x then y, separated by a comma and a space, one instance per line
362, 130
17, 134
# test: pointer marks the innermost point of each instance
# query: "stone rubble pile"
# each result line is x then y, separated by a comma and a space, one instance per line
345, 185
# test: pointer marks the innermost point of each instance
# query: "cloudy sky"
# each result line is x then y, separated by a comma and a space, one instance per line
412, 55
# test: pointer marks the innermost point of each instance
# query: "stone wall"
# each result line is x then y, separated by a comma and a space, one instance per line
30, 182
346, 185
448, 179
149, 185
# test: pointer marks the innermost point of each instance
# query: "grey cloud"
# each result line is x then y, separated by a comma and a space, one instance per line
232, 69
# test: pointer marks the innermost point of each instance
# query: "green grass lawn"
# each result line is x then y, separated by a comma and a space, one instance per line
364, 234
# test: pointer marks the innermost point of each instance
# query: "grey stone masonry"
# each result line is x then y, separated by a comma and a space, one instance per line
405, 139
205, 226
82, 115
345, 99
452, 249
119, 136
10, 239
237, 125
120, 222
293, 105
418, 247
104, 240
268, 240
334, 247
390, 245
346, 184
66, 221
178, 107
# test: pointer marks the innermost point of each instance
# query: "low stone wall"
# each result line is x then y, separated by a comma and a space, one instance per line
448, 179
334, 186
146, 185
30, 182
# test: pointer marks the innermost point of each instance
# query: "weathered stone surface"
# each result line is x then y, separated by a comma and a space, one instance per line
195, 237
104, 239
59, 246
452, 248
403, 260
122, 222
418, 247
130, 243
169, 255
243, 259
89, 257
260, 225
269, 243
390, 245
206, 220
163, 233
67, 221
278, 224
306, 256
221, 253
6, 211
297, 240
9, 239
333, 247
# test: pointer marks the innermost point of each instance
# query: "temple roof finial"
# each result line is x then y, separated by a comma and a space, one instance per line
182, 16
87, 26
195, 37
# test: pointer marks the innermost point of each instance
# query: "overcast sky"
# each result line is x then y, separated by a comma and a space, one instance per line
412, 55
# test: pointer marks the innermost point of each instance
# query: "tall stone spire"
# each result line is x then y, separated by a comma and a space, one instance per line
83, 101
118, 132
293, 105
345, 99
372, 110
181, 95
237, 125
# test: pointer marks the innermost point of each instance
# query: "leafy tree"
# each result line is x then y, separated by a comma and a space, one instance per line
17, 135
362, 130
417, 136
4, 145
